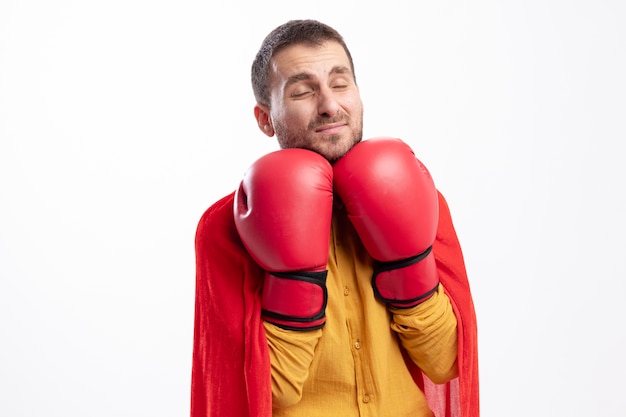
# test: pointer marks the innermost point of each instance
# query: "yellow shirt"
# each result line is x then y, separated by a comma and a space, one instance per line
354, 365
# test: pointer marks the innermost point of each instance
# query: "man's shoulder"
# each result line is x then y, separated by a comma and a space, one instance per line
217, 220
222, 207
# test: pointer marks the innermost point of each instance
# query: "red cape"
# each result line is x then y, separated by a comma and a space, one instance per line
231, 367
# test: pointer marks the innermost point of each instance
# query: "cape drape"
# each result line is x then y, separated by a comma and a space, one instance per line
231, 365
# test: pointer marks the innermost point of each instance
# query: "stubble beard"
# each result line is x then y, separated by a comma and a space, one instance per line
331, 147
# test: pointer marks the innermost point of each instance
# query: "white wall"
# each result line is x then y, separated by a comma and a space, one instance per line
122, 121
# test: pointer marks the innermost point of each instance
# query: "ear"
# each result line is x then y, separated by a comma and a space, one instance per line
262, 116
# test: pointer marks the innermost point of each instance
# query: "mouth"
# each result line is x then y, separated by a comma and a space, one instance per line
331, 128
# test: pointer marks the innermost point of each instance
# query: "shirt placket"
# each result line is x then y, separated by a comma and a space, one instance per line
365, 398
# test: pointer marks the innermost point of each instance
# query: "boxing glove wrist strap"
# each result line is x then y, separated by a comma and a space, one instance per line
388, 266
295, 300
407, 282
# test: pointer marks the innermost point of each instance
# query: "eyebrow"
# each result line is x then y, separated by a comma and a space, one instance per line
338, 69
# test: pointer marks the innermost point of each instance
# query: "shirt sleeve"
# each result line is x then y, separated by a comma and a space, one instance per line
428, 332
291, 353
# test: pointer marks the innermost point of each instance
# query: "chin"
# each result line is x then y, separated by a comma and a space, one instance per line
332, 155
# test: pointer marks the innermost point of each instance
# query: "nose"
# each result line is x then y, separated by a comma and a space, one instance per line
327, 105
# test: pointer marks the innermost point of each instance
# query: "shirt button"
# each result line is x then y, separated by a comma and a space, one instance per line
357, 344
366, 399
346, 291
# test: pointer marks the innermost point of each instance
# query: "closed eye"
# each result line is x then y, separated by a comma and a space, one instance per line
301, 94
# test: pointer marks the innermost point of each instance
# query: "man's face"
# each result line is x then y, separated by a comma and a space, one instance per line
314, 101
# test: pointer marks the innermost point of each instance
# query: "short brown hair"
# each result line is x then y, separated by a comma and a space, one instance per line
293, 32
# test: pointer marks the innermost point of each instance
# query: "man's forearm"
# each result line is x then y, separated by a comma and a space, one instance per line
291, 354
429, 334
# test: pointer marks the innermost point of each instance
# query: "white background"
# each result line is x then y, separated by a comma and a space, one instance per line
122, 121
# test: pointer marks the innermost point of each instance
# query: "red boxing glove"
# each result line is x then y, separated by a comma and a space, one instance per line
392, 202
283, 210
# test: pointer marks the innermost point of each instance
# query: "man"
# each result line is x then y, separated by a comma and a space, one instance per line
331, 283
